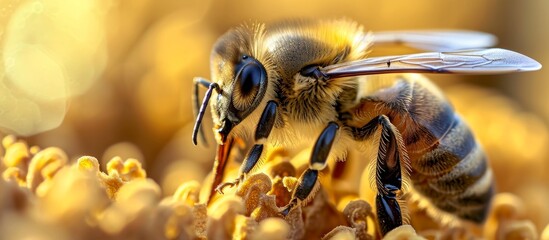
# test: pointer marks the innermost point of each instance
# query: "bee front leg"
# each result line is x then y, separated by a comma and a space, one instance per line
391, 155
262, 131
308, 181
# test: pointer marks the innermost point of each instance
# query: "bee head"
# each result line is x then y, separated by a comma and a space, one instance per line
241, 78
240, 97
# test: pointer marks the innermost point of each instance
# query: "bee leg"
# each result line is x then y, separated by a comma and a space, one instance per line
262, 131
308, 181
388, 170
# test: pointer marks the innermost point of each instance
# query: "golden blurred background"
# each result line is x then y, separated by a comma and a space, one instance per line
114, 78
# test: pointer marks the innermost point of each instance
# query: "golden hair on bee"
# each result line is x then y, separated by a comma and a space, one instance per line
322, 42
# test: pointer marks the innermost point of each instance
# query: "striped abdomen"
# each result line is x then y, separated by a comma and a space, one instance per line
449, 168
455, 176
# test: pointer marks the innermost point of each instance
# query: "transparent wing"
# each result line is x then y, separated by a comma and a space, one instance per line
485, 61
436, 40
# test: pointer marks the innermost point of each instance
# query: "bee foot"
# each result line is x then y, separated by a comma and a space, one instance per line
221, 186
289, 207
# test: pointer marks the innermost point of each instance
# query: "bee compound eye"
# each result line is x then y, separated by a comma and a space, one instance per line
249, 79
249, 85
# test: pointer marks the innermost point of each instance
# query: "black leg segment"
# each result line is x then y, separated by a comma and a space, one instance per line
251, 159
390, 157
388, 212
266, 122
322, 146
262, 131
307, 183
303, 190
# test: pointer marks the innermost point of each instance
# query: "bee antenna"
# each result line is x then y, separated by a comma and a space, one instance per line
205, 101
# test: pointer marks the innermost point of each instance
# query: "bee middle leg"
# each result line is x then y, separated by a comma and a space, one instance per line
308, 181
391, 155
262, 131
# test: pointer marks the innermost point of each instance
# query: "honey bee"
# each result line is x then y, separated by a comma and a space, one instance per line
297, 83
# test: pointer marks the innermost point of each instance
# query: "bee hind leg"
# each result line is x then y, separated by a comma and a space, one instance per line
308, 181
262, 131
391, 156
